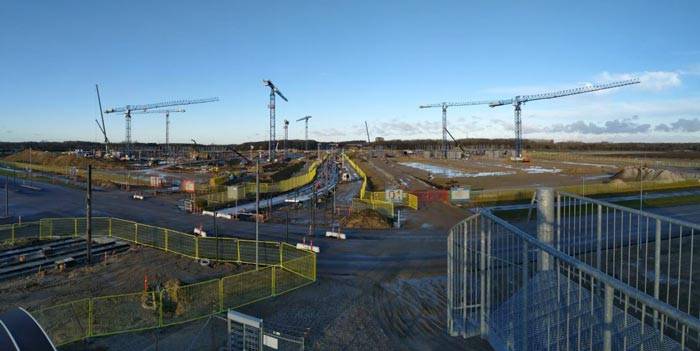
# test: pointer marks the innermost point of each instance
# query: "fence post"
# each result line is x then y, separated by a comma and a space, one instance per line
281, 248
657, 265
545, 225
599, 238
238, 250
136, 233
525, 307
482, 268
608, 318
12, 241
196, 247
110, 226
221, 294
165, 233
160, 308
273, 281
90, 312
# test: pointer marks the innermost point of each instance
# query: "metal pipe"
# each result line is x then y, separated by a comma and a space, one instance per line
257, 211
88, 224
545, 224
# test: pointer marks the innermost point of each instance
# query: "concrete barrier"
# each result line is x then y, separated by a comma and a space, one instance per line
340, 236
308, 247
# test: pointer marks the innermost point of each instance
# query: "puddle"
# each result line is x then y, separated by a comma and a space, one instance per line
450, 172
540, 170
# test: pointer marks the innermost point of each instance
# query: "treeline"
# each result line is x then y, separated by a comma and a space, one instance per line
416, 144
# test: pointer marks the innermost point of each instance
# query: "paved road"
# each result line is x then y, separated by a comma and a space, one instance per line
326, 180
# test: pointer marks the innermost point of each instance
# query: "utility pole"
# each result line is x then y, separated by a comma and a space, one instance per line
286, 129
257, 210
286, 229
7, 197
88, 224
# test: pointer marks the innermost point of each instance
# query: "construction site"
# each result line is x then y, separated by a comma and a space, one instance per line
317, 211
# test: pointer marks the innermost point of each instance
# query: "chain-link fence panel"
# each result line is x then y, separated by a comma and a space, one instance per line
247, 287
126, 312
268, 252
183, 244
218, 249
189, 302
66, 322
123, 229
151, 236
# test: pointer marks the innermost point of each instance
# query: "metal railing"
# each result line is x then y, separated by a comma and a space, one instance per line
542, 292
652, 253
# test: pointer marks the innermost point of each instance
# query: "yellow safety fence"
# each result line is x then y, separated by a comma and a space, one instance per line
117, 177
292, 183
610, 188
282, 268
377, 199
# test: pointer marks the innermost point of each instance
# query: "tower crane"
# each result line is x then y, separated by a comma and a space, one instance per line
102, 126
521, 99
306, 131
273, 91
286, 129
167, 123
444, 106
129, 109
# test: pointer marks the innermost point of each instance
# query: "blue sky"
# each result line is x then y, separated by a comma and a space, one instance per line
347, 62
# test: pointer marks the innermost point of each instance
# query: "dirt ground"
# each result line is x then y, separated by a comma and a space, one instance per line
493, 174
118, 274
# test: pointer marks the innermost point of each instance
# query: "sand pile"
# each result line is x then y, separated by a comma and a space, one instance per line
636, 174
366, 219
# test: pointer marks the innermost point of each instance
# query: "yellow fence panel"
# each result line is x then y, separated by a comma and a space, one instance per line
189, 302
127, 312
124, 229
247, 287
66, 322
286, 280
7, 232
182, 243
151, 236
218, 249
282, 268
268, 252
27, 230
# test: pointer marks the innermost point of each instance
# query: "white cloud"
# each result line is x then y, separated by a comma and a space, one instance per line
649, 80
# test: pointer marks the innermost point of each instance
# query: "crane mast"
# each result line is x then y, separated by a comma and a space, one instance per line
167, 123
367, 130
306, 131
273, 91
444, 106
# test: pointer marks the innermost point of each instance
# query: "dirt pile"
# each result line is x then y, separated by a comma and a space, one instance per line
636, 174
47, 158
366, 219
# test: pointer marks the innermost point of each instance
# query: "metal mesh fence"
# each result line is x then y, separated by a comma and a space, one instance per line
282, 268
520, 292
